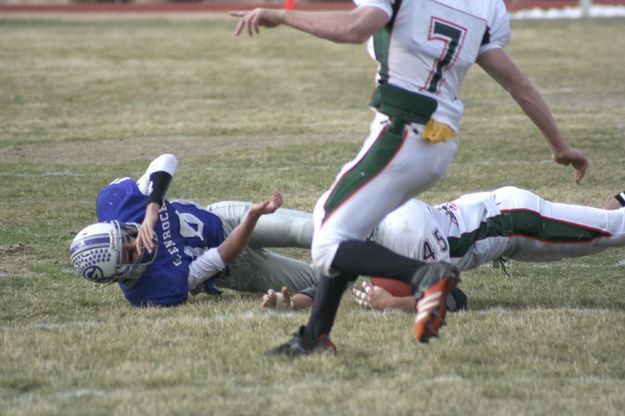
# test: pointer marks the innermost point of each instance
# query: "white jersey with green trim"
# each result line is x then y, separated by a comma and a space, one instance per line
429, 45
416, 230
508, 222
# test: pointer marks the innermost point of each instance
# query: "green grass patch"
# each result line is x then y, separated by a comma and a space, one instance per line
86, 99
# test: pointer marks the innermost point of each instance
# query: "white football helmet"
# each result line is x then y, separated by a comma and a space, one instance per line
97, 252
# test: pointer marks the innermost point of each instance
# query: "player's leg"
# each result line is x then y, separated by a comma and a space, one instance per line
475, 229
230, 212
257, 270
549, 231
393, 165
283, 228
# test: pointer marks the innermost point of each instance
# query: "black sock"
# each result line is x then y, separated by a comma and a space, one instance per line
620, 197
326, 303
370, 259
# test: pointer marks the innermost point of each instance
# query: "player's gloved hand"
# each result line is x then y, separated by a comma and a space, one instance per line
277, 300
371, 297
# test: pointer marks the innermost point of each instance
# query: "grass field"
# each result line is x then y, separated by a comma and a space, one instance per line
86, 99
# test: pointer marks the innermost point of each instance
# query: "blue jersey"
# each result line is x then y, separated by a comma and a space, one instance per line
184, 232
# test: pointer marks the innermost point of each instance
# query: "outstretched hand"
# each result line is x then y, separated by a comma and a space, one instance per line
575, 158
267, 207
254, 19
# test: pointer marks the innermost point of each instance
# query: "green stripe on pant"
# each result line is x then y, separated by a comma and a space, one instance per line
523, 223
374, 161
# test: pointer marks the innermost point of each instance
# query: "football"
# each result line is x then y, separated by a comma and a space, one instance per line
394, 287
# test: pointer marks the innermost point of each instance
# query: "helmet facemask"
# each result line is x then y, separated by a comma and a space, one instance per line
97, 252
127, 232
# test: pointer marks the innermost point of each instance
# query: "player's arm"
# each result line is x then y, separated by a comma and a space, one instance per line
232, 246
214, 260
502, 69
355, 26
369, 296
154, 183
375, 297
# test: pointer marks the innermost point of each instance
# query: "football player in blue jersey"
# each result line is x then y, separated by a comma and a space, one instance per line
159, 251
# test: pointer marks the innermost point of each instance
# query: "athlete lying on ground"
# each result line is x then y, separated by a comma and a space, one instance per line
479, 228
181, 247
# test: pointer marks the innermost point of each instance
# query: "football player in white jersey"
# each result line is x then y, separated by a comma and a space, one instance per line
423, 49
479, 228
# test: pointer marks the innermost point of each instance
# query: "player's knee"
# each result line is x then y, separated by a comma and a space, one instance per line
322, 257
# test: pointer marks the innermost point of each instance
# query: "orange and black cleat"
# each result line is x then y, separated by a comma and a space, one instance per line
431, 284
